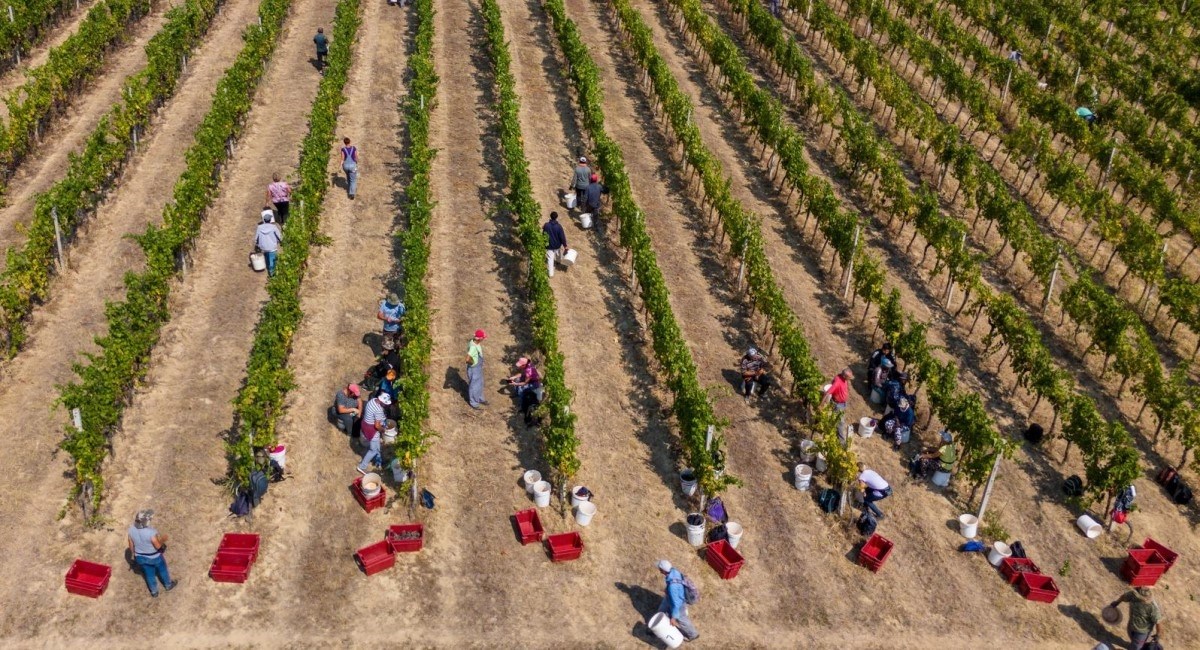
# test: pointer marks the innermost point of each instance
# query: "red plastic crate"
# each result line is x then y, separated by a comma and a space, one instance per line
875, 552
1037, 587
376, 557
564, 546
246, 543
529, 526
371, 503
1167, 554
395, 536
1148, 580
230, 567
724, 559
88, 578
1144, 563
1011, 567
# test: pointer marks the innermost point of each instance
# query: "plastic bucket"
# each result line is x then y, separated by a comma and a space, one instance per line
390, 432
570, 256
876, 395
968, 525
399, 474
569, 199
695, 529
258, 261
279, 455
541, 494
687, 481
579, 494
531, 479
585, 220
371, 485
866, 427
808, 451
1089, 526
941, 479
734, 530
660, 625
803, 477
821, 464
999, 551
584, 512
825, 388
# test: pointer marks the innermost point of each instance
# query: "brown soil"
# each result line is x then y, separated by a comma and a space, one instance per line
14, 75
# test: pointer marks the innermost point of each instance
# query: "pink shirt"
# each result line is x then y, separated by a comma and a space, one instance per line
840, 390
280, 192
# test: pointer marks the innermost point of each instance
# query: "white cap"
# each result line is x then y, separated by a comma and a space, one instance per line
385, 399
664, 566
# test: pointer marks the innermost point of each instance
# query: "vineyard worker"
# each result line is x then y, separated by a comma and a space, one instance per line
876, 360
475, 371
322, 43
874, 489
267, 239
674, 602
374, 421
556, 241
753, 367
580, 179
390, 312
838, 394
350, 166
279, 194
1145, 616
595, 190
147, 547
1087, 115
894, 389
347, 405
900, 421
528, 384
943, 457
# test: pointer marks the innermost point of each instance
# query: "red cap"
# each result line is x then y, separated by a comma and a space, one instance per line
480, 334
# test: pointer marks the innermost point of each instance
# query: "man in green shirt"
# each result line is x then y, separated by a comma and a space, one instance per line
1145, 616
475, 371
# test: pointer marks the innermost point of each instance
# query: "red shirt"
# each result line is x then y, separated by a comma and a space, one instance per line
840, 390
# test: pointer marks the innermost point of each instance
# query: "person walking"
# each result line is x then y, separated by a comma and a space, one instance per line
1145, 617
580, 179
267, 239
674, 602
556, 242
874, 489
475, 371
595, 191
350, 166
391, 310
322, 43
279, 194
147, 547
374, 421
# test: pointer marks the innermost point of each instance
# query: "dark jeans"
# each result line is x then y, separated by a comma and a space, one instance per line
870, 497
580, 198
154, 567
1137, 640
321, 60
281, 212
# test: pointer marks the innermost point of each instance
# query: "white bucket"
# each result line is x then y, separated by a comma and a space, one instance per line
569, 199
866, 427
584, 512
585, 220
695, 532
371, 484
825, 388
735, 531
808, 451
821, 465
279, 455
541, 494
569, 257
576, 499
941, 479
968, 525
688, 485
803, 477
390, 432
999, 551
399, 474
660, 625
258, 261
531, 479
1089, 526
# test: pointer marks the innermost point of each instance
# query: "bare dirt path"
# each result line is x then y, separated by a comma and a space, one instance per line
68, 132
64, 327
170, 447
16, 75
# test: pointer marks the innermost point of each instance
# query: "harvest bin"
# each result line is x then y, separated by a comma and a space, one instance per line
376, 557
230, 567
529, 526
88, 578
398, 534
371, 503
1037, 587
1011, 567
1167, 554
875, 552
1143, 567
246, 543
564, 546
724, 559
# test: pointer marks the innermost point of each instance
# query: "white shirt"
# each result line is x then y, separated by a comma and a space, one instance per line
873, 480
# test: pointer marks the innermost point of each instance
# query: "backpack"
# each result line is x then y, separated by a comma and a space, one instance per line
717, 534
241, 505
276, 472
866, 525
258, 487
1182, 494
716, 511
427, 499
973, 546
691, 595
828, 500
1017, 549
1166, 476
1073, 486
1034, 434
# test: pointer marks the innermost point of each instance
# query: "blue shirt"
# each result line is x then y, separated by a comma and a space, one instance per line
391, 311
675, 593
